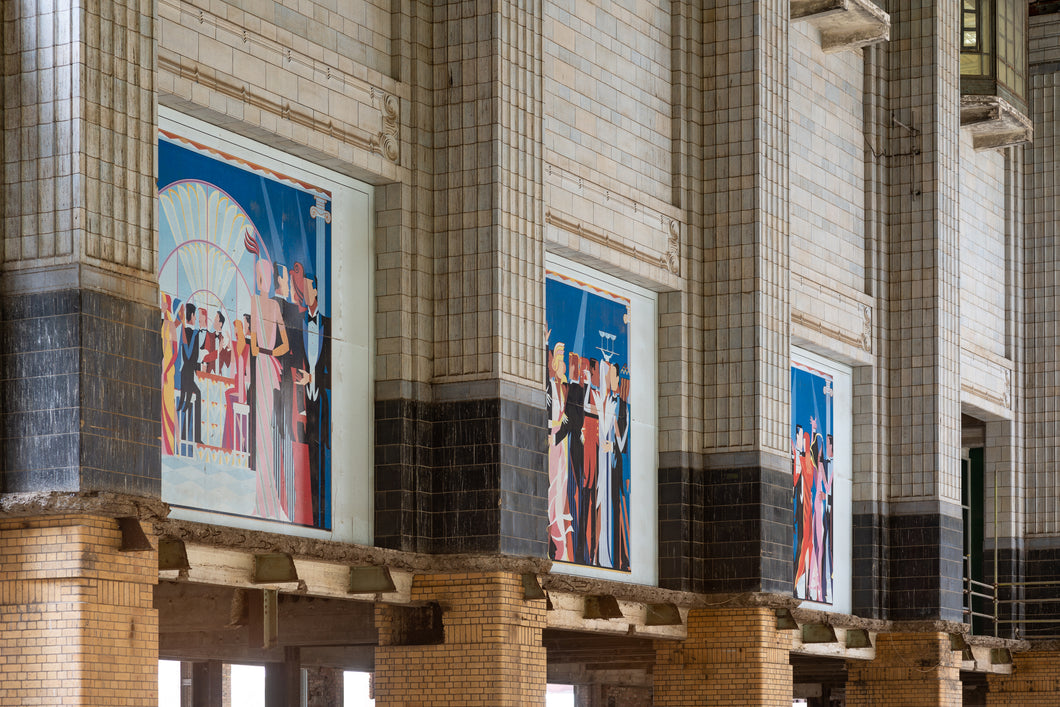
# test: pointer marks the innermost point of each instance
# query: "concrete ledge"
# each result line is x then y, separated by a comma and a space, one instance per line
994, 122
100, 503
844, 24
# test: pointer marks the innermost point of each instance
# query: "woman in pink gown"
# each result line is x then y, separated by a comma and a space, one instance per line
558, 457
268, 341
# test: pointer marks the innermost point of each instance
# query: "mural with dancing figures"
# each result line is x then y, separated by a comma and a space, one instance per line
812, 453
244, 274
587, 398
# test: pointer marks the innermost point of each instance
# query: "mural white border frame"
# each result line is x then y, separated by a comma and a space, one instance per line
843, 482
353, 338
644, 414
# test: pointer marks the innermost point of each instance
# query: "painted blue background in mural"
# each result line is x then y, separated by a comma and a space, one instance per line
587, 398
244, 273
279, 211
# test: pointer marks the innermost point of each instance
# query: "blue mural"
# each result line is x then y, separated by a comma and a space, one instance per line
812, 421
244, 274
587, 399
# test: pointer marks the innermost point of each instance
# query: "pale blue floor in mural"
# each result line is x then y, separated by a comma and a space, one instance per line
208, 486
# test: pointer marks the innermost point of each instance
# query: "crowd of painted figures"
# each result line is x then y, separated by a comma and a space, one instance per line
812, 504
271, 367
589, 431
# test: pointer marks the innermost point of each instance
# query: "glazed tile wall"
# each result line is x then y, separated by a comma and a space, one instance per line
1043, 39
681, 367
827, 161
77, 414
1043, 281
1042, 376
79, 131
870, 404
346, 35
923, 289
404, 246
403, 288
270, 72
608, 93
746, 201
489, 214
983, 285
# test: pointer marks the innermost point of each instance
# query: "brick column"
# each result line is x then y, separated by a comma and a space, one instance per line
914, 670
491, 656
77, 621
731, 656
1035, 680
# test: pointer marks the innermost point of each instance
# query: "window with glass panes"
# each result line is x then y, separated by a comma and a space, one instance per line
1011, 52
970, 25
993, 54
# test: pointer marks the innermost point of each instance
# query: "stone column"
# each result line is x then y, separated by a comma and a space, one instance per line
80, 377
911, 669
79, 294
404, 284
325, 687
1003, 524
745, 484
731, 656
1042, 342
869, 551
491, 655
77, 620
681, 366
466, 449
923, 326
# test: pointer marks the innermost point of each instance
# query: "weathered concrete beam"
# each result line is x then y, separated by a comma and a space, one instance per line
578, 674
837, 645
208, 564
575, 612
844, 24
233, 647
186, 609
994, 123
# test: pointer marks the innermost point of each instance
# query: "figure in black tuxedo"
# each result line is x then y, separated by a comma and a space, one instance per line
577, 484
316, 379
190, 396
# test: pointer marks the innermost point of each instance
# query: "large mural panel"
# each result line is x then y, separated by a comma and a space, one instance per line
587, 398
244, 274
813, 454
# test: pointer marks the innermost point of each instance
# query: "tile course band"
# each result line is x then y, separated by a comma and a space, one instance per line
727, 527
78, 413
461, 476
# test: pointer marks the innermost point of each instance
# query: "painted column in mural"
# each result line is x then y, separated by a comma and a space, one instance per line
244, 273
587, 386
812, 422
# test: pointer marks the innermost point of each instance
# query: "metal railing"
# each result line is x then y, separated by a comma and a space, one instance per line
1028, 609
1025, 609
985, 594
1021, 611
